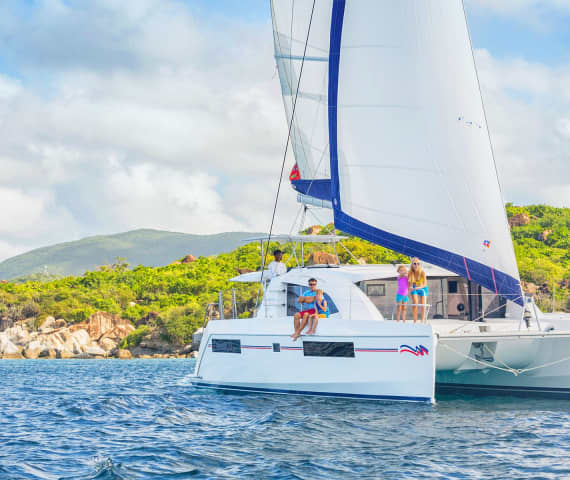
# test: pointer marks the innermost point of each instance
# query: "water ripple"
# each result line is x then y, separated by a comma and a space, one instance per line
114, 420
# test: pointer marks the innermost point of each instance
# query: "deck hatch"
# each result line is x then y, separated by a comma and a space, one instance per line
220, 345
328, 349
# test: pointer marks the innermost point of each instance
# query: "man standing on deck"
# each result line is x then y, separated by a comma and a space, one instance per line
277, 267
308, 300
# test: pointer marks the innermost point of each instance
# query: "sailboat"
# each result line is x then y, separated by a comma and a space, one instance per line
389, 131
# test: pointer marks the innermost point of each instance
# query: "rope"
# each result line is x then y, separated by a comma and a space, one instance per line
287, 144
515, 371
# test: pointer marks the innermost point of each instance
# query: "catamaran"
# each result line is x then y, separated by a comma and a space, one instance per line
388, 129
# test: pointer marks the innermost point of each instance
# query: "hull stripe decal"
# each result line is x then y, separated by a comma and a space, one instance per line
312, 393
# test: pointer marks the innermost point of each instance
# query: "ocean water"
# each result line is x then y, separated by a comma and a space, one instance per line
141, 419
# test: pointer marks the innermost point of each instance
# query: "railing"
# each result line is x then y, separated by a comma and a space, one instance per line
425, 307
220, 311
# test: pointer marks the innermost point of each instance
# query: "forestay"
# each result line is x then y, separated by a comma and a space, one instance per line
411, 162
309, 132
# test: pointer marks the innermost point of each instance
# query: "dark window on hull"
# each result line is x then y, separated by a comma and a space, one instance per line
220, 345
328, 349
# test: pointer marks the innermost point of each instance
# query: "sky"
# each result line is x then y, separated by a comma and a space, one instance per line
167, 114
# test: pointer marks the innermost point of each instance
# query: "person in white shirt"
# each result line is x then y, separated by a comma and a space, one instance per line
276, 267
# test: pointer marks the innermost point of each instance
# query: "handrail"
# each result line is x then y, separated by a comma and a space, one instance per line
425, 306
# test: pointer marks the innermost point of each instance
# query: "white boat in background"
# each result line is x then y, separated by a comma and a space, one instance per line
388, 129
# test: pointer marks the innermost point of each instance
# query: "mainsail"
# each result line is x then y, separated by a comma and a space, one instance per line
412, 167
309, 131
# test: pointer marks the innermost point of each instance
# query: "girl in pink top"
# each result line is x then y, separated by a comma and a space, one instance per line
402, 294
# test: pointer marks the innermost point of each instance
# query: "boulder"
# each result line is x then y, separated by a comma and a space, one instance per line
54, 340
48, 324
322, 258
314, 230
100, 323
243, 271
123, 354
529, 287
60, 323
519, 220
188, 259
544, 235
64, 353
7, 349
18, 335
107, 344
118, 333
77, 341
33, 350
5, 323
49, 353
95, 351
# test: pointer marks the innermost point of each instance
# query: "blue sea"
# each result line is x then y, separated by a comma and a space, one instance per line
141, 419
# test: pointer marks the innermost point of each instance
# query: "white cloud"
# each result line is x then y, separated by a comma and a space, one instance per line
528, 107
136, 115
538, 14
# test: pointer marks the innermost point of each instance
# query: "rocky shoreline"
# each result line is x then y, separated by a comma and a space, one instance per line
98, 337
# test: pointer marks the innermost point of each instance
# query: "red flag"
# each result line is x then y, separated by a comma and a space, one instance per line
295, 174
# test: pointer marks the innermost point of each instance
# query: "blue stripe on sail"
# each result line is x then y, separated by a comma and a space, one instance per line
485, 276
320, 188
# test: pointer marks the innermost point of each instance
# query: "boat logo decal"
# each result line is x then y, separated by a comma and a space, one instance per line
418, 351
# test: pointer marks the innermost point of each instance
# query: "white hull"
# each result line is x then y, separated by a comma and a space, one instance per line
389, 361
524, 363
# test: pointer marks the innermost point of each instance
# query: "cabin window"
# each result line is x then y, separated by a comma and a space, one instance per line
328, 349
376, 289
276, 347
220, 345
295, 291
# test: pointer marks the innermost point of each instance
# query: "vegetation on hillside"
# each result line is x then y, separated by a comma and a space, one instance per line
174, 297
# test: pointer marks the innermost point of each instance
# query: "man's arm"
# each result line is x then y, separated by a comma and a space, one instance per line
301, 300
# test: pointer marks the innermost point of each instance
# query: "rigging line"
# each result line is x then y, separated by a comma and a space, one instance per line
287, 144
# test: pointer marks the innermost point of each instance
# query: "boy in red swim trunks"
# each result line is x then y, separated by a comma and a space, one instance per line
308, 300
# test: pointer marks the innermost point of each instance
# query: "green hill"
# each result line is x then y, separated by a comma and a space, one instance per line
138, 247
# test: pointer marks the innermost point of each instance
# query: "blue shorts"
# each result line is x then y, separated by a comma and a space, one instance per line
420, 292
401, 298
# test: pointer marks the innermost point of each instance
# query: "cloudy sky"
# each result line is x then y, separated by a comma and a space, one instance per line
123, 114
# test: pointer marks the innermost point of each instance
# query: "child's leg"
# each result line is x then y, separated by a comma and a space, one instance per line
311, 320
315, 323
403, 311
399, 311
